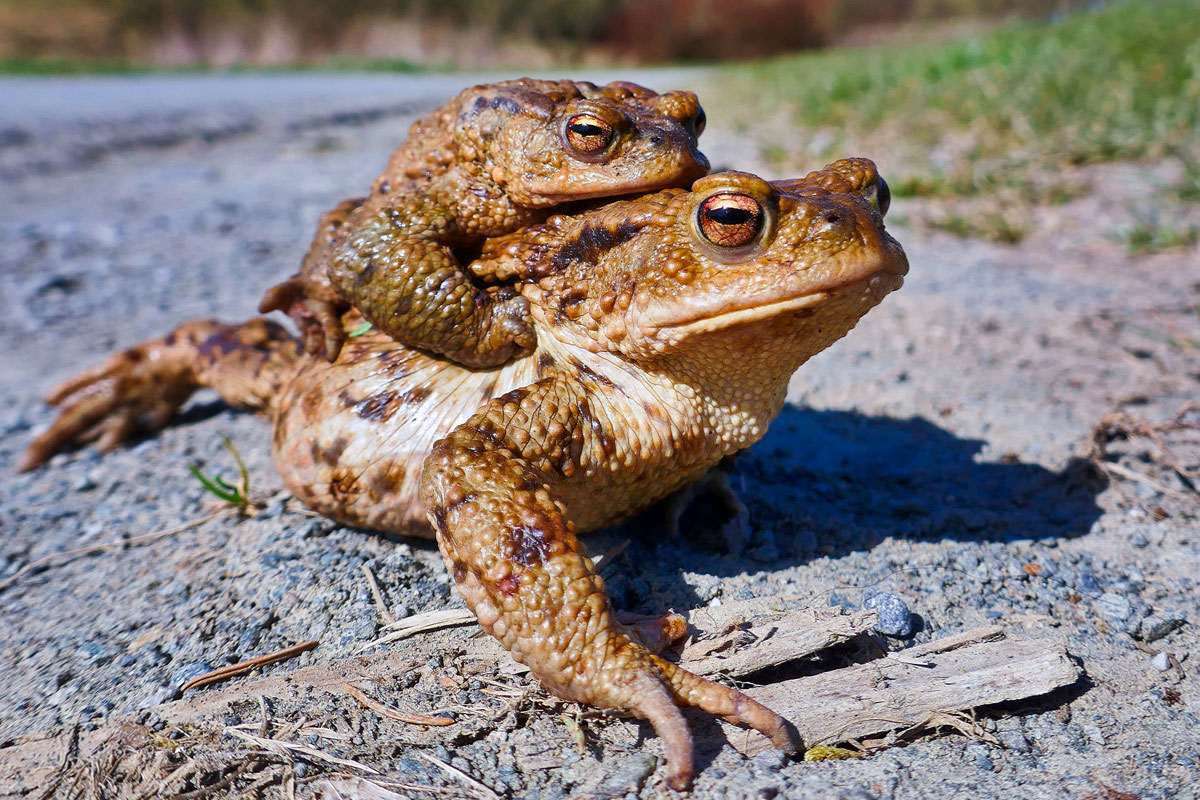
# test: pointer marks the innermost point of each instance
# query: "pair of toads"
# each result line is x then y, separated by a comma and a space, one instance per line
539, 363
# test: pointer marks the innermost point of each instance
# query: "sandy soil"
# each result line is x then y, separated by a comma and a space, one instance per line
946, 451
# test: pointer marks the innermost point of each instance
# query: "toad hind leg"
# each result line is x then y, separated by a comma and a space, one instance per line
514, 557
139, 389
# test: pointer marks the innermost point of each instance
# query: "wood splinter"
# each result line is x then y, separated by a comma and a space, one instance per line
243, 667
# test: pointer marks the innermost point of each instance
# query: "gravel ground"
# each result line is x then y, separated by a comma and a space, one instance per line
944, 454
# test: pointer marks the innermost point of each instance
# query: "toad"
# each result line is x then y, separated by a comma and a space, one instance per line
667, 329
496, 158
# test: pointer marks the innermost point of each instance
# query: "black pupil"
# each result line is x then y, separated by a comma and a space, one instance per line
883, 196
586, 129
730, 215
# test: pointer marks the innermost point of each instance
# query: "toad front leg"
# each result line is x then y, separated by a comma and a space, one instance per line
397, 267
489, 488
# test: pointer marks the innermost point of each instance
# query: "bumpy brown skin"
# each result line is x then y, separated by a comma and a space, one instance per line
494, 159
659, 354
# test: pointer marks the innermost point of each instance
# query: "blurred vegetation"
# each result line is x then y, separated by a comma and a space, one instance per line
1007, 113
458, 32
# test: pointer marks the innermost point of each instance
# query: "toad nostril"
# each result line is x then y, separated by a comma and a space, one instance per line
831, 217
656, 139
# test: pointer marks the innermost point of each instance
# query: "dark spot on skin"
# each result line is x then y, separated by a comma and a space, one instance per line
439, 519
529, 546
332, 454
378, 407
489, 389
221, 343
515, 396
386, 479
170, 339
545, 361
654, 412
396, 361
568, 301
453, 503
367, 271
413, 396
831, 217
591, 243
343, 485
488, 435
346, 399
311, 402
508, 585
458, 571
385, 187
587, 371
498, 102
528, 484
607, 445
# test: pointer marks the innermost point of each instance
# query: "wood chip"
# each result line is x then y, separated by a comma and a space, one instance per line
243, 667
977, 668
741, 638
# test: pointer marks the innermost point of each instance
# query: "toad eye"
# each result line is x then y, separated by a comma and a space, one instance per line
699, 122
730, 220
588, 135
883, 197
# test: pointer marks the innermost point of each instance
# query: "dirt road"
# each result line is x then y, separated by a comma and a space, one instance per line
941, 452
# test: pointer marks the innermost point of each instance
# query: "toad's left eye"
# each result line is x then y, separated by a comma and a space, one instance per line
588, 135
730, 220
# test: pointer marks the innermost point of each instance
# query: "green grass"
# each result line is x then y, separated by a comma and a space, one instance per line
1002, 109
1150, 236
62, 66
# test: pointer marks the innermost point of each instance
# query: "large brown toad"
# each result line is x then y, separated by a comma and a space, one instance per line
494, 159
667, 329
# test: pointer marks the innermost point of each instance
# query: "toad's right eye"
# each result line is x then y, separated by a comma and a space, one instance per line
588, 134
730, 219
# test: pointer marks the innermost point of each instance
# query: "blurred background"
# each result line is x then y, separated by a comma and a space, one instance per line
463, 33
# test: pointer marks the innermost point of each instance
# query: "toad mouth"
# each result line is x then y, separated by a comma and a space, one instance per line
877, 285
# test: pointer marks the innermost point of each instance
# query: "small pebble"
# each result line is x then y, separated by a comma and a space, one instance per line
1157, 626
1139, 540
1161, 661
894, 617
982, 758
1114, 607
1088, 585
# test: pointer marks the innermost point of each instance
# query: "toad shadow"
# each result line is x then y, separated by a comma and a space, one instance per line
828, 483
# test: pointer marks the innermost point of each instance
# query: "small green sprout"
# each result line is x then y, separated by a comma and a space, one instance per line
236, 496
360, 330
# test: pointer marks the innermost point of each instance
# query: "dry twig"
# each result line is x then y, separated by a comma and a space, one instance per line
243, 667
482, 788
281, 748
377, 595
392, 713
